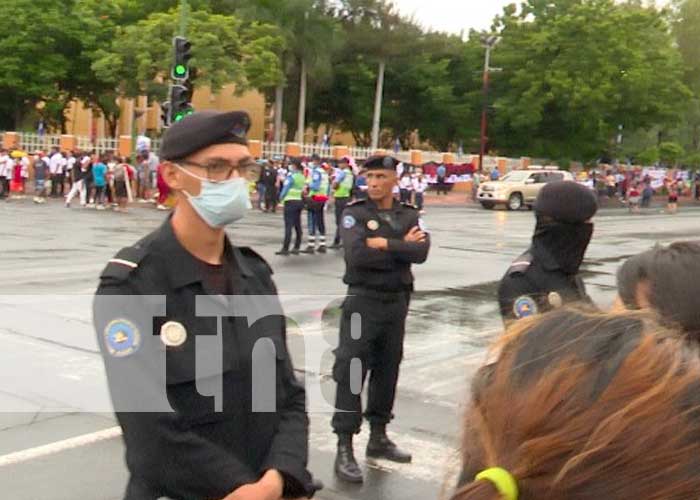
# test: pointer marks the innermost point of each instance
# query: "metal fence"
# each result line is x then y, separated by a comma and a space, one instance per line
272, 149
32, 142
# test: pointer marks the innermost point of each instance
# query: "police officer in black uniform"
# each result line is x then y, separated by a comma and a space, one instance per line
546, 276
381, 238
198, 370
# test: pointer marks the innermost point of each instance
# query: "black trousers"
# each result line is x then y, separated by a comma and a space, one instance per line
340, 204
270, 198
372, 331
419, 201
5, 187
292, 219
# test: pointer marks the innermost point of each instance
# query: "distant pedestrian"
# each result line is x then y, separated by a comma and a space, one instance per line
57, 164
672, 206
122, 188
292, 197
78, 184
342, 190
441, 176
405, 188
495, 174
5, 173
647, 194
268, 179
41, 172
99, 179
420, 186
319, 190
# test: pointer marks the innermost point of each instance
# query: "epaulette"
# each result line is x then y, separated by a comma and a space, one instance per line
123, 264
409, 205
521, 264
359, 201
249, 252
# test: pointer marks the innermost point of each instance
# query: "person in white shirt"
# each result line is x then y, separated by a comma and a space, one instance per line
406, 188
420, 186
56, 166
71, 160
80, 175
5, 173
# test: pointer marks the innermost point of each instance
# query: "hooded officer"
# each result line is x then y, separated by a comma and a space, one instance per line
546, 276
194, 340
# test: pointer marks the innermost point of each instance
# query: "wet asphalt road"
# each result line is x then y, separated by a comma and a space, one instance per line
57, 437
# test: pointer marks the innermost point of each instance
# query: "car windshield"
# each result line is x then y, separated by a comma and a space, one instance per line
516, 177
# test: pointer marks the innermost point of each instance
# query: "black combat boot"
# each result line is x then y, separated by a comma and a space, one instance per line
380, 446
346, 467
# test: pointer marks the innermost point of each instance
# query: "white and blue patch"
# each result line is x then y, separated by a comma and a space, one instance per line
422, 225
349, 222
524, 306
122, 338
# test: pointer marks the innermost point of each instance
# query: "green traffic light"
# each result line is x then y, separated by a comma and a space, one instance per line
180, 70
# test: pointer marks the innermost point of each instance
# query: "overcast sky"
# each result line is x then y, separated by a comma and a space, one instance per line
457, 15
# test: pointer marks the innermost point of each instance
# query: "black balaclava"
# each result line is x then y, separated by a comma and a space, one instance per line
562, 244
563, 231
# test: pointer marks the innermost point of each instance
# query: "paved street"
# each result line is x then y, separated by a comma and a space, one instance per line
57, 436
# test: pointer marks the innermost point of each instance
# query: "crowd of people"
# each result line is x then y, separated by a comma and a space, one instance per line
99, 181
299, 184
636, 187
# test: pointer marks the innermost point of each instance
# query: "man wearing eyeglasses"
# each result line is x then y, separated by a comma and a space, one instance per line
161, 305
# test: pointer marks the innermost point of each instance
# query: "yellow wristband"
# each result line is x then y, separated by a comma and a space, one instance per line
503, 481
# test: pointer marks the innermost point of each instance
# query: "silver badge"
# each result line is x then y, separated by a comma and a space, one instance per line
372, 225
555, 300
173, 334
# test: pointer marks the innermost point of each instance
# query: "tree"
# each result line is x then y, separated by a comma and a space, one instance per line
30, 70
670, 153
686, 27
575, 70
139, 59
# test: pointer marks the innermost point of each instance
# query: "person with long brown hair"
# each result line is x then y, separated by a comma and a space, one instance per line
582, 405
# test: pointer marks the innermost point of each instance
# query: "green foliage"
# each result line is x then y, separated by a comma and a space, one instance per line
648, 157
575, 70
670, 153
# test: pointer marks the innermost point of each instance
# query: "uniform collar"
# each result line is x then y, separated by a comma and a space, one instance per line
183, 268
396, 206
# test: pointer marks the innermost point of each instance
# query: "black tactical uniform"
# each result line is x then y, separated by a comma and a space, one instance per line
200, 418
546, 276
374, 315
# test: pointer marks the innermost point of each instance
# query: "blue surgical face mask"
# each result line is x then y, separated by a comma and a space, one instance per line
220, 203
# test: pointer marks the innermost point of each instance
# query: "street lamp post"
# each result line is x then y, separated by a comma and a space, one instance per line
489, 43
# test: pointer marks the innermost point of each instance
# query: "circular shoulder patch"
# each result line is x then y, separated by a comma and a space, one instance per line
524, 306
122, 338
173, 334
349, 221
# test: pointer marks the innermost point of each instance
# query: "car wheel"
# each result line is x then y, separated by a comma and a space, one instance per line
515, 202
488, 205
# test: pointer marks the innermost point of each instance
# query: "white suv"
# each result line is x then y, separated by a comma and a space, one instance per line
520, 187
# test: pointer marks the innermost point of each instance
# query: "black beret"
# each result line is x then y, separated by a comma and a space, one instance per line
566, 201
381, 163
202, 129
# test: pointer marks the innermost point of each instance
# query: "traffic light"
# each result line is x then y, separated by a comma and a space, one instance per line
180, 105
165, 113
183, 49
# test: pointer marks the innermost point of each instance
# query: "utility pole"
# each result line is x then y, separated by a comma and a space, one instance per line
489, 42
184, 8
